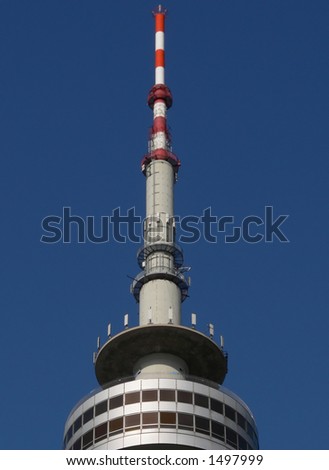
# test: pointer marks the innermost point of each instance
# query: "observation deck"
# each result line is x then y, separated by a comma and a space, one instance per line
204, 358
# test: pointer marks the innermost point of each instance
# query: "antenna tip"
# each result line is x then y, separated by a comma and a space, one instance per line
160, 9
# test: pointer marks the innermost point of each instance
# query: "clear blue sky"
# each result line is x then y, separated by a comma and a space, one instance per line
250, 125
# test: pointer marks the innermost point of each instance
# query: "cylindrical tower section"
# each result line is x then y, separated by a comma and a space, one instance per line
161, 365
160, 302
159, 223
161, 414
159, 117
160, 188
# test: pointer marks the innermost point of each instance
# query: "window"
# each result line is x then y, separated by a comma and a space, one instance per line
133, 397
77, 444
100, 432
230, 412
87, 439
201, 400
69, 433
101, 408
150, 395
77, 423
167, 419
185, 421
133, 421
217, 430
241, 421
184, 397
242, 443
150, 420
252, 434
216, 406
88, 415
250, 430
202, 425
167, 395
115, 402
231, 438
116, 425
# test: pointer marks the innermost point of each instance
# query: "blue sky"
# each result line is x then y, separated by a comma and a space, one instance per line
250, 125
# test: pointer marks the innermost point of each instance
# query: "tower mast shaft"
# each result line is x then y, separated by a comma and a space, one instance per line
164, 288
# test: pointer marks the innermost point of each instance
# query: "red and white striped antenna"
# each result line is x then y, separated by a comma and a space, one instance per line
160, 100
160, 90
160, 17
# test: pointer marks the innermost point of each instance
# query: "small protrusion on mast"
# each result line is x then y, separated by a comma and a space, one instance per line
170, 315
160, 9
211, 330
94, 357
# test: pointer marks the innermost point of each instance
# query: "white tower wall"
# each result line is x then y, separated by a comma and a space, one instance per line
160, 302
160, 188
161, 365
159, 201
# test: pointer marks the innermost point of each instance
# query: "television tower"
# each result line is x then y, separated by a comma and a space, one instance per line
160, 381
